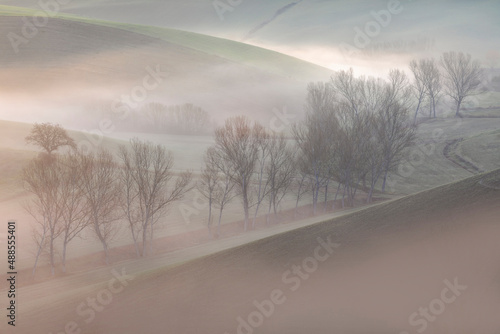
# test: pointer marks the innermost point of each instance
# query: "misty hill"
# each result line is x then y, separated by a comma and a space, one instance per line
73, 62
423, 27
388, 261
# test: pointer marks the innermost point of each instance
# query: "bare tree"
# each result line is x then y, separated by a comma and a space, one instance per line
315, 137
356, 100
157, 116
129, 196
263, 138
418, 85
349, 88
49, 137
238, 146
224, 193
372, 127
75, 213
462, 76
192, 119
350, 139
209, 180
59, 205
280, 170
41, 178
395, 133
102, 194
301, 181
178, 119
432, 82
216, 183
150, 167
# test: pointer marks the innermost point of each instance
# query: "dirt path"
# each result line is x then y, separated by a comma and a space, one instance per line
450, 153
78, 285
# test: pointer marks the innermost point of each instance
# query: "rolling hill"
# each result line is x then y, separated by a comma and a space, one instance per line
75, 63
387, 261
314, 29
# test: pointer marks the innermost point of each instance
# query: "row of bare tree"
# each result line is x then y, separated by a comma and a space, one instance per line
355, 131
247, 161
99, 192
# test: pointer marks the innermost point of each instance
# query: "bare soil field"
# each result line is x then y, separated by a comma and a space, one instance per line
421, 263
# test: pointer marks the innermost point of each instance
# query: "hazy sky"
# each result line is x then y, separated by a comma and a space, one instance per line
316, 29
369, 36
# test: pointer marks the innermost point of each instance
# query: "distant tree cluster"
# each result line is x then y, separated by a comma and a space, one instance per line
457, 73
94, 191
355, 132
186, 119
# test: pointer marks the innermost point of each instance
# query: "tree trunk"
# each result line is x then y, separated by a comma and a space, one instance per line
102, 240
246, 209
51, 253
40, 247
416, 112
220, 219
384, 180
326, 195
244, 189
151, 237
210, 214
459, 102
136, 246
106, 255
65, 246
269, 210
255, 214
144, 237
298, 198
336, 194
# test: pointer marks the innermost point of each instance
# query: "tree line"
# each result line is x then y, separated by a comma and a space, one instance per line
355, 132
95, 191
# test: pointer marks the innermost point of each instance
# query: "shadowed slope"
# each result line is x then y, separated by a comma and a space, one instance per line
393, 258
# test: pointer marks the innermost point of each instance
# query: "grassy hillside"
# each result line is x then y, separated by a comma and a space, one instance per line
76, 63
249, 55
314, 29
